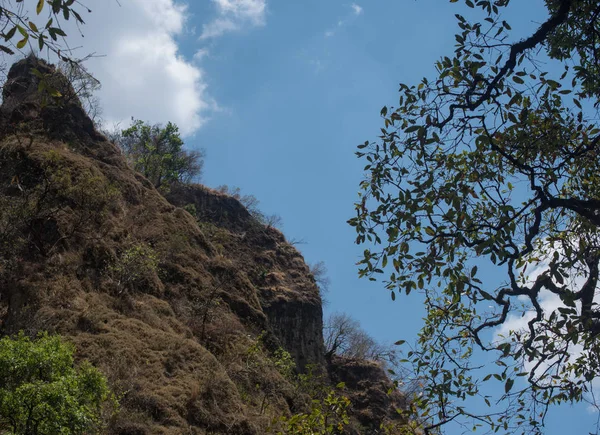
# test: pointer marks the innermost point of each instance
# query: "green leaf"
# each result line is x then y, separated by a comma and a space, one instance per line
10, 33
22, 42
39, 7
509, 384
22, 31
58, 31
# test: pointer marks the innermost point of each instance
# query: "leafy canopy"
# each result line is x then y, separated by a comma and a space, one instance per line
42, 393
157, 152
494, 162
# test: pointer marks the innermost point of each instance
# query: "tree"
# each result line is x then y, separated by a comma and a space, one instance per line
495, 163
344, 336
42, 393
319, 273
157, 152
84, 85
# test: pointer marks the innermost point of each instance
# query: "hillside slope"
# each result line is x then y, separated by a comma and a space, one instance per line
186, 313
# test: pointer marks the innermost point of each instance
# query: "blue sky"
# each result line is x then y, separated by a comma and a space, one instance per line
279, 93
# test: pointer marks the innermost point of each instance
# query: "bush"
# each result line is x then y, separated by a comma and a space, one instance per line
326, 416
326, 413
134, 266
42, 393
284, 363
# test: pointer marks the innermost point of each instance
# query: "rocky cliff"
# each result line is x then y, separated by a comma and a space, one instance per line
183, 300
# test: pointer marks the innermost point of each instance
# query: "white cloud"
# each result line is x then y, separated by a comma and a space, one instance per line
549, 303
348, 19
201, 54
233, 15
217, 28
142, 72
356, 8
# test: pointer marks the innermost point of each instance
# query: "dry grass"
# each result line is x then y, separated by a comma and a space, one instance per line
173, 339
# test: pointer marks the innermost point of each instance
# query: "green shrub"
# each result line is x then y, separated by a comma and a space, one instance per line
327, 415
41, 392
134, 265
191, 209
284, 363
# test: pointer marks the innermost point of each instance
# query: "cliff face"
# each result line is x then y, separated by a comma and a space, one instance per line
287, 293
182, 299
374, 398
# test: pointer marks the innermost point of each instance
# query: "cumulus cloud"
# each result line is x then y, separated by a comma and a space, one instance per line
233, 15
138, 62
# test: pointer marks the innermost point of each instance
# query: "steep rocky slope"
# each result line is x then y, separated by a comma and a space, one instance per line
184, 301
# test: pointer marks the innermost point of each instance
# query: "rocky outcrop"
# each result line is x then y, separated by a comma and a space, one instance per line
374, 398
287, 292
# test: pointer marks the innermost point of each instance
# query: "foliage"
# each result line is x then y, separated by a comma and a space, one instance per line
191, 209
495, 162
326, 416
284, 363
134, 265
251, 204
41, 392
18, 26
327, 412
157, 152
